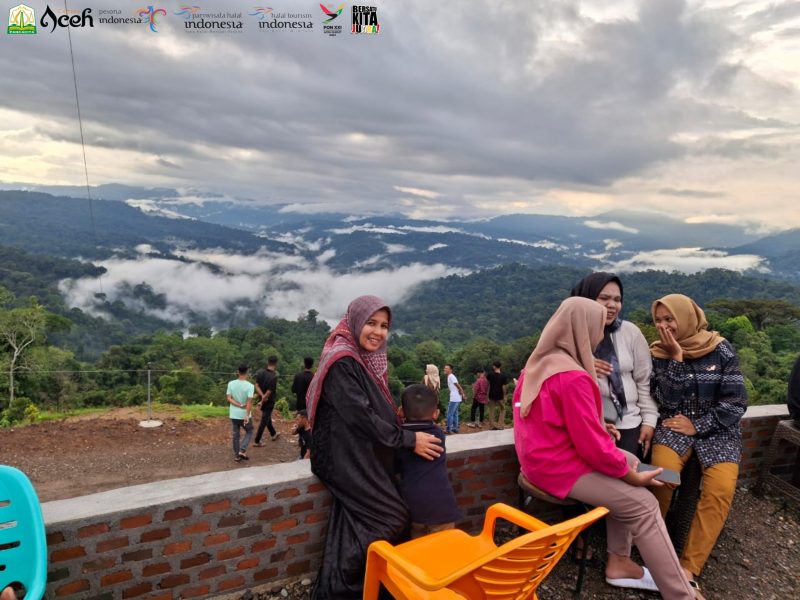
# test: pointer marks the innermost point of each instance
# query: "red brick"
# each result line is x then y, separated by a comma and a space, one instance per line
212, 572
474, 486
476, 459
162, 596
264, 544
316, 518
177, 513
248, 563
282, 555
67, 554
265, 574
171, 581
253, 500
114, 544
55, 538
301, 507
137, 521
231, 584
288, 493
498, 455
155, 534
232, 552
454, 463
104, 563
285, 524
296, 539
201, 527
270, 513
751, 444
200, 590
195, 561
91, 530
141, 554
315, 487
73, 587
216, 538
217, 506
231, 521
177, 547
156, 569
465, 500
113, 578
137, 590
298, 568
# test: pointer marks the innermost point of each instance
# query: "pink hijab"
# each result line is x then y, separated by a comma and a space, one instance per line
343, 341
567, 343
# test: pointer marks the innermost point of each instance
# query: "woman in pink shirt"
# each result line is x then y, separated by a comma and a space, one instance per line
564, 449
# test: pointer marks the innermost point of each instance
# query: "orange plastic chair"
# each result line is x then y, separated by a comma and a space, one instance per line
454, 565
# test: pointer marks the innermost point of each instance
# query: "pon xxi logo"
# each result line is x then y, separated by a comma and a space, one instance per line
21, 20
151, 15
331, 12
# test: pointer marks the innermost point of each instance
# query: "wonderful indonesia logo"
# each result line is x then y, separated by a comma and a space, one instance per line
270, 20
197, 21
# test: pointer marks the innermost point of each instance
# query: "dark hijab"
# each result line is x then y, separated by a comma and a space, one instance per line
590, 287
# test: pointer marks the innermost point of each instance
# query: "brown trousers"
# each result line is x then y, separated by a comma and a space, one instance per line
634, 518
495, 421
719, 486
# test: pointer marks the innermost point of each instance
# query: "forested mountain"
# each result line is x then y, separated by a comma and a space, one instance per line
74, 227
514, 300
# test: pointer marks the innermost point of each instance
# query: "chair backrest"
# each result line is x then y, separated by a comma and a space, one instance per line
515, 569
23, 546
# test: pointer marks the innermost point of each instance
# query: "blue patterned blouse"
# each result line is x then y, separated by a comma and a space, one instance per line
710, 391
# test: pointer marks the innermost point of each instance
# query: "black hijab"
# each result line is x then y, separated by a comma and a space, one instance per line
590, 287
794, 392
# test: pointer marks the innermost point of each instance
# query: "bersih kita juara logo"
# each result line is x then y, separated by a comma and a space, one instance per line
365, 19
21, 20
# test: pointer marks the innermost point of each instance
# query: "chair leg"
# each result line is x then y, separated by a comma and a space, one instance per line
582, 564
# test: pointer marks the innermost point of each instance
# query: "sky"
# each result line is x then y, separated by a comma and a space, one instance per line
453, 110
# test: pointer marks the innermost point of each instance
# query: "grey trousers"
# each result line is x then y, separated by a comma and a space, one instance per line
635, 518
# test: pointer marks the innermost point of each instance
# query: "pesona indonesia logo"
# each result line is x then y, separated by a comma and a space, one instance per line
331, 12
71, 18
269, 20
113, 16
365, 20
21, 20
197, 21
150, 16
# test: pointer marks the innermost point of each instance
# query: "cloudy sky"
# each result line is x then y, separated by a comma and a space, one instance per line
455, 109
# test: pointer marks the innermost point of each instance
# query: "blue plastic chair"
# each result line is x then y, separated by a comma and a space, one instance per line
23, 546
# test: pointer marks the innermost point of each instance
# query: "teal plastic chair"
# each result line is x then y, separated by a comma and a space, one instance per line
23, 546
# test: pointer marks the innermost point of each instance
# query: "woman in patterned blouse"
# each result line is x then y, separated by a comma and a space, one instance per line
701, 395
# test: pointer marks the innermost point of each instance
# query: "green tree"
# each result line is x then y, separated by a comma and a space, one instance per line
20, 328
430, 352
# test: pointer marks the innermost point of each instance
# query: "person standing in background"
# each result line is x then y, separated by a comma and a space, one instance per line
498, 388
240, 394
266, 387
456, 396
301, 382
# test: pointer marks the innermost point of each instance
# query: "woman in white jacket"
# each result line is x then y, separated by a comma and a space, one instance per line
623, 365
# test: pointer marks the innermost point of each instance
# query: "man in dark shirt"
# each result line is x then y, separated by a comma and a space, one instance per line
498, 388
301, 382
266, 389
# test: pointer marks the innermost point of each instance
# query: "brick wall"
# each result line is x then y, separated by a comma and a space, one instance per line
254, 527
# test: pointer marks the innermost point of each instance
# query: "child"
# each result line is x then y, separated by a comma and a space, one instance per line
480, 389
303, 433
424, 484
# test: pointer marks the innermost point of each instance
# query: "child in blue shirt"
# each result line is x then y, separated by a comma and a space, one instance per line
424, 484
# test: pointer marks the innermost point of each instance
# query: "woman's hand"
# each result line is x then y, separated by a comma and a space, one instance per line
680, 424
669, 343
645, 437
613, 431
603, 368
427, 446
644, 478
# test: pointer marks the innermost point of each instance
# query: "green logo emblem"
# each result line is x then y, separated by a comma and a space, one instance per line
21, 20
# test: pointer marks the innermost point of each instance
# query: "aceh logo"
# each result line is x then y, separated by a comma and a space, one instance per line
21, 20
150, 13
84, 19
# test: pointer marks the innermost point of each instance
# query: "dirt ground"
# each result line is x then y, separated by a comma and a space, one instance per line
83, 455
